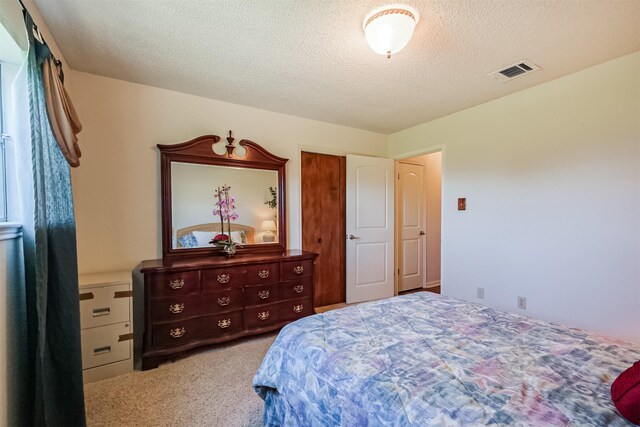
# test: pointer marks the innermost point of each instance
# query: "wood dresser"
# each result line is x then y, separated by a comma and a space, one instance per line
199, 301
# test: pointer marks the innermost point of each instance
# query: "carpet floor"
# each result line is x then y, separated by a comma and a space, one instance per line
211, 387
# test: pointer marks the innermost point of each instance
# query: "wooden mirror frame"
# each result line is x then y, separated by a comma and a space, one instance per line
200, 151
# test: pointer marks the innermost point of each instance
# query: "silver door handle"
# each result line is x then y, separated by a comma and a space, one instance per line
352, 237
101, 350
101, 311
422, 233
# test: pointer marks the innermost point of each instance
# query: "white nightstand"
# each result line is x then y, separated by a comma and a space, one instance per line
106, 322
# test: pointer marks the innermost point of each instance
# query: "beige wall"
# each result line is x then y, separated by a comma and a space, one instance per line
551, 175
117, 187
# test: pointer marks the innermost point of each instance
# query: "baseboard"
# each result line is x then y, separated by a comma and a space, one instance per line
326, 308
433, 284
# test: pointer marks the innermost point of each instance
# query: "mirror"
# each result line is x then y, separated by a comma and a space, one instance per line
192, 174
253, 191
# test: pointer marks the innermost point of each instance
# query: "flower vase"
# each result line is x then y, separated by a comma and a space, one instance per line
230, 250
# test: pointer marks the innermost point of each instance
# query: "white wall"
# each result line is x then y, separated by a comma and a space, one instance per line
552, 180
117, 187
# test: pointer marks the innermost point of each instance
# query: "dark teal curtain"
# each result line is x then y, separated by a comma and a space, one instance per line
55, 395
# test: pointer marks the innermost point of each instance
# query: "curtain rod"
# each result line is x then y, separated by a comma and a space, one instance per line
35, 27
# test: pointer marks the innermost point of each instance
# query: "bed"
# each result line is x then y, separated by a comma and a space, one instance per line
199, 235
424, 359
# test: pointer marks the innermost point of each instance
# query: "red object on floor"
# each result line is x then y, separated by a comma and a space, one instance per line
625, 393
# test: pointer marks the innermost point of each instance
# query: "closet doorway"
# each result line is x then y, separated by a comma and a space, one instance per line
418, 222
323, 187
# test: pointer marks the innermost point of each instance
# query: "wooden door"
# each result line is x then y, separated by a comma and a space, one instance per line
411, 218
370, 228
323, 223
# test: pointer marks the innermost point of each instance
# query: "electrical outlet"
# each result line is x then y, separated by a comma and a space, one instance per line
480, 293
522, 303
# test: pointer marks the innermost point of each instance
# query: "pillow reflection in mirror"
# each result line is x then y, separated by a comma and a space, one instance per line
204, 237
197, 239
188, 241
239, 237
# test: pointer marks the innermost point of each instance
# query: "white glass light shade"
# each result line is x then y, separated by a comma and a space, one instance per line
268, 225
389, 29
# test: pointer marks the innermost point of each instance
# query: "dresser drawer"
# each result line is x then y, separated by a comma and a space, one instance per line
182, 307
296, 269
103, 345
223, 278
263, 274
298, 288
260, 295
261, 317
181, 332
171, 284
293, 310
104, 305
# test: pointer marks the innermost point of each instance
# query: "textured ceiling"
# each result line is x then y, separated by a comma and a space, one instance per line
309, 58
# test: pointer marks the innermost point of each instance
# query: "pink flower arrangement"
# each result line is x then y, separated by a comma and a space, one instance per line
226, 210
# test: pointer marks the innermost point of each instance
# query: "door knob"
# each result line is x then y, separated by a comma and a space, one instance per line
422, 233
352, 237
320, 240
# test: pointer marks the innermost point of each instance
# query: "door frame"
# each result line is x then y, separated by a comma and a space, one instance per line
397, 241
404, 156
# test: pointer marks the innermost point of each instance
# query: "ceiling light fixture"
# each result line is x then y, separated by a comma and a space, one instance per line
388, 29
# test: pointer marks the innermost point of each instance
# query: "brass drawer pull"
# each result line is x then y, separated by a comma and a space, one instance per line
298, 269
263, 274
263, 294
177, 332
224, 323
123, 294
223, 278
176, 284
298, 308
86, 296
298, 289
176, 308
223, 301
263, 315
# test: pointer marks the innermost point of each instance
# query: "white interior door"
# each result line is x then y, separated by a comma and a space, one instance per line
411, 219
369, 228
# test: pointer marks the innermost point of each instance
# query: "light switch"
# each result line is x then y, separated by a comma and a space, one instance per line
462, 203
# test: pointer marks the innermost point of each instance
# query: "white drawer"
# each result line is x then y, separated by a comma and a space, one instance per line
103, 345
99, 306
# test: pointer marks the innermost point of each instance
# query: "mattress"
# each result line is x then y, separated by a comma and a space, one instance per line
423, 359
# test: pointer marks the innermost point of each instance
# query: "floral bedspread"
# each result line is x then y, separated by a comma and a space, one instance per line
424, 359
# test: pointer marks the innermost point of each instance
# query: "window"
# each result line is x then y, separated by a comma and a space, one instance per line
3, 155
11, 57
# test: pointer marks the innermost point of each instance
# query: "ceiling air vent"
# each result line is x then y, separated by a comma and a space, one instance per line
516, 70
